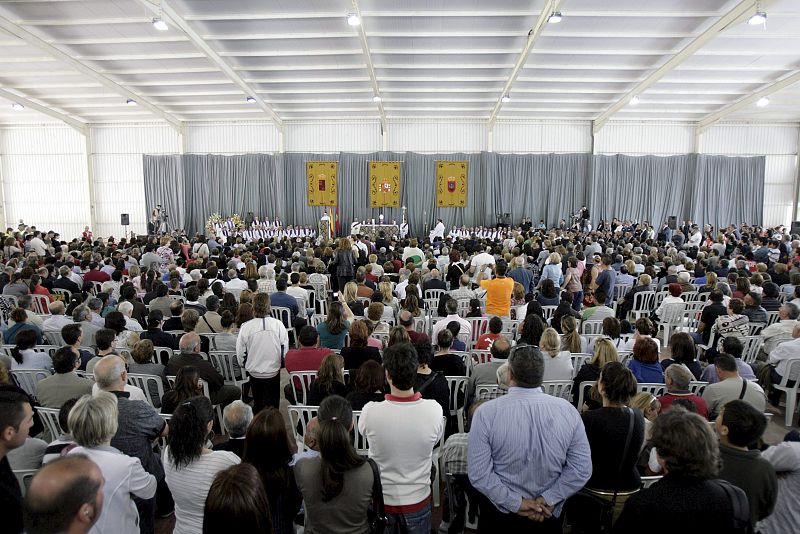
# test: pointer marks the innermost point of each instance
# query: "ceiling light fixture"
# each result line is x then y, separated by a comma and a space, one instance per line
17, 107
159, 24
554, 18
353, 19
635, 101
131, 102
250, 100
759, 17
377, 98
505, 98
763, 102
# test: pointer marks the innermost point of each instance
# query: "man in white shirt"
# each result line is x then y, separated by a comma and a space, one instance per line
402, 431
298, 292
235, 283
57, 319
438, 231
263, 340
37, 245
452, 315
355, 228
694, 239
126, 309
781, 358
781, 331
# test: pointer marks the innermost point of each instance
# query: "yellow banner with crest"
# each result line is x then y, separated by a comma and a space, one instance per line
451, 184
321, 182
384, 184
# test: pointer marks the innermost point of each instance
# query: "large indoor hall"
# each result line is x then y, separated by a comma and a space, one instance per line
399, 267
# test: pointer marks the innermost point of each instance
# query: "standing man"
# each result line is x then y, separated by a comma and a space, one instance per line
584, 218
607, 279
498, 290
438, 231
263, 341
528, 453
402, 431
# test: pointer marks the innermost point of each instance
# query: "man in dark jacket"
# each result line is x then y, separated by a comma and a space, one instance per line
220, 392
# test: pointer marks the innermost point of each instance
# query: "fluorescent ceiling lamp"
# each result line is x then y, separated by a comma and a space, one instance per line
131, 102
377, 98
635, 101
554, 18
763, 102
353, 19
759, 17
17, 107
505, 98
160, 25
250, 100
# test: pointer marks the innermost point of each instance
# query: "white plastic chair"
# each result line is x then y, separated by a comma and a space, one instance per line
644, 303
49, 417
28, 378
486, 391
654, 389
752, 346
578, 359
302, 379
697, 387
583, 389
145, 382
791, 392
458, 388
481, 356
300, 416
284, 315
592, 327
558, 388
224, 362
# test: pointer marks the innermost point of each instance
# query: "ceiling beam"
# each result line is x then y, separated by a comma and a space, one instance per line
362, 37
81, 127
58, 54
164, 8
732, 17
749, 100
533, 35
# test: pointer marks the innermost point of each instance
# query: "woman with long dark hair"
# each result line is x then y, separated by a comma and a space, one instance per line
333, 330
23, 355
368, 386
330, 380
337, 485
188, 384
267, 448
191, 466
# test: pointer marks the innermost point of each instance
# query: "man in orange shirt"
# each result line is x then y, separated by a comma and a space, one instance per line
498, 290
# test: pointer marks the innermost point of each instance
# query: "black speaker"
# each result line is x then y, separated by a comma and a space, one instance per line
795, 227
673, 222
125, 219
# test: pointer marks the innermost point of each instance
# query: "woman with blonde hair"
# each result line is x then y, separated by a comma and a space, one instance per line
557, 362
350, 297
650, 407
711, 283
604, 352
572, 341
389, 300
517, 295
552, 271
411, 303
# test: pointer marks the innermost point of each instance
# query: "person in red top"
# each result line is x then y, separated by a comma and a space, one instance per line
677, 378
307, 358
94, 274
407, 321
485, 340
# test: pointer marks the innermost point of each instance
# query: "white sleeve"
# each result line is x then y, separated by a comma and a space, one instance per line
142, 483
784, 456
652, 462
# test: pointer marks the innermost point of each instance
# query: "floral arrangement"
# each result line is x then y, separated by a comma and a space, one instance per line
216, 218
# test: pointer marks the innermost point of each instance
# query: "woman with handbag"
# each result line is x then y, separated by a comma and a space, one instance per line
615, 433
338, 486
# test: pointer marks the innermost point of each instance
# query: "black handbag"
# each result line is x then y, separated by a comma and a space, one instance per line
593, 508
376, 515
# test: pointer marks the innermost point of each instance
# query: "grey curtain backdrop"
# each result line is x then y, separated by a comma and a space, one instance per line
718, 190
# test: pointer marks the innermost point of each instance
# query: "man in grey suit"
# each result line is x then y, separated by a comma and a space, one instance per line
82, 316
55, 390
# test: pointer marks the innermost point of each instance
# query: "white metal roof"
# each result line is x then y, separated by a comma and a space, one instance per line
428, 58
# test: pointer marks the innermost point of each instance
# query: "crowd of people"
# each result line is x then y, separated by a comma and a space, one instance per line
381, 326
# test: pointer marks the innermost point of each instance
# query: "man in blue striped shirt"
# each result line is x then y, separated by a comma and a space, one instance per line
527, 452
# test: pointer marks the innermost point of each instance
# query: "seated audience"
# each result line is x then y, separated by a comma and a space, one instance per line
368, 385
65, 384
732, 346
604, 353
644, 362
443, 361
731, 386
329, 381
236, 502
683, 351
236, 418
359, 351
677, 378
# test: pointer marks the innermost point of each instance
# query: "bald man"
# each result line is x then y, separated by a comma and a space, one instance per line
220, 392
66, 495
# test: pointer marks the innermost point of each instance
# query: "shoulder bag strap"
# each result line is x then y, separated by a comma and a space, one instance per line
377, 489
208, 324
631, 421
744, 388
428, 382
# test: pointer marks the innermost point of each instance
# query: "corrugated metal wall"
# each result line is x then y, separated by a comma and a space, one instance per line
333, 136
435, 136
779, 143
44, 173
231, 138
542, 136
119, 180
645, 138
52, 159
